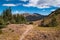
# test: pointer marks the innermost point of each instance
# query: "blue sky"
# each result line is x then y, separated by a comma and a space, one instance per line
43, 7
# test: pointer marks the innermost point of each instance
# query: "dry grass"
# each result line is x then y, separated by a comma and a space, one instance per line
14, 32
47, 28
44, 33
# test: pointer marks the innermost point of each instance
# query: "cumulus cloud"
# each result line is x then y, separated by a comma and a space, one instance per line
43, 3
9, 5
53, 9
14, 12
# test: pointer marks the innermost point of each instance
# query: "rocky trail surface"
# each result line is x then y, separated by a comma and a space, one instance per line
28, 32
30, 27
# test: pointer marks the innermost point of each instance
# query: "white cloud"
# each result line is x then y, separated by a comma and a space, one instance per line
43, 3
14, 12
53, 9
9, 5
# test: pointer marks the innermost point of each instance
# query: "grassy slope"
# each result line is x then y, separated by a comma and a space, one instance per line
47, 28
44, 33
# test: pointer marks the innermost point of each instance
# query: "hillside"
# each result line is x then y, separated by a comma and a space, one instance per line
33, 17
52, 19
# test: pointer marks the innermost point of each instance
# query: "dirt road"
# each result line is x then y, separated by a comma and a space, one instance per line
29, 27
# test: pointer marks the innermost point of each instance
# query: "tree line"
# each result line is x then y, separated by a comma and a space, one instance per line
8, 18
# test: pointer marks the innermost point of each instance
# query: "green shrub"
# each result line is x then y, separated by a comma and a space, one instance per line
0, 31
2, 26
13, 21
30, 22
53, 22
2, 23
12, 30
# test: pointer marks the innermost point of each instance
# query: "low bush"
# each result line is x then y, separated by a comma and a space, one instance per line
0, 31
2, 26
30, 22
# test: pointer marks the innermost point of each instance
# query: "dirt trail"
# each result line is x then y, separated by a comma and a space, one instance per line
29, 27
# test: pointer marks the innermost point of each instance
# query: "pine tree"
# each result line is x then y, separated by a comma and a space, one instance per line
7, 15
20, 19
53, 22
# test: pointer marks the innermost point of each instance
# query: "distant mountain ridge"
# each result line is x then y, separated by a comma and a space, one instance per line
33, 17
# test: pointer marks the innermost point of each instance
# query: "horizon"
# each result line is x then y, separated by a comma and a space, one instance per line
43, 7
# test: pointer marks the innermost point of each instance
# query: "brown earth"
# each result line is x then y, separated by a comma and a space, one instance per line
43, 35
28, 32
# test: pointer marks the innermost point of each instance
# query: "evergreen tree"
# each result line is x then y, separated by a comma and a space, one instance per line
9, 18
20, 19
42, 22
7, 15
53, 22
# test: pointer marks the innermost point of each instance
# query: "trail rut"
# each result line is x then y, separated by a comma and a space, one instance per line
29, 27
